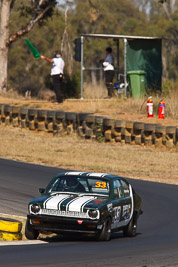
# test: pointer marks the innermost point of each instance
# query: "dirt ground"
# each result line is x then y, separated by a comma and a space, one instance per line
71, 152
127, 109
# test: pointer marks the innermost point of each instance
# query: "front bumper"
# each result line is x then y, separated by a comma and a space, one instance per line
64, 225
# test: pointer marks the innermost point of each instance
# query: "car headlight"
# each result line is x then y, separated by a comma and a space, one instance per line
35, 208
93, 214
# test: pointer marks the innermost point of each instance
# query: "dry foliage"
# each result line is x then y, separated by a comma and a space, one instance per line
172, 104
95, 92
74, 153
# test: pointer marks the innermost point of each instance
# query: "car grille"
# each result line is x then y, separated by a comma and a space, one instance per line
54, 226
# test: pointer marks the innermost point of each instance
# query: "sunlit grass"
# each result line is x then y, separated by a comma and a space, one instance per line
74, 153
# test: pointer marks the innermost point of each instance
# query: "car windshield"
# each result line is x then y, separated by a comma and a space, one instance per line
89, 185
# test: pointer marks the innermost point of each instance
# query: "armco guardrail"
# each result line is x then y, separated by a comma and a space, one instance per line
88, 126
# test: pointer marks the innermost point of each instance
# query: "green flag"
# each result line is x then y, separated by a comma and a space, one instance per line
35, 52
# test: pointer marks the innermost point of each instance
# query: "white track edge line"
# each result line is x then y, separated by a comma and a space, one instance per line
22, 242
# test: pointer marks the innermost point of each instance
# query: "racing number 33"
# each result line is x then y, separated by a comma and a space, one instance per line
100, 184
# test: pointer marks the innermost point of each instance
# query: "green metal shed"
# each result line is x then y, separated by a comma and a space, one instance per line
140, 53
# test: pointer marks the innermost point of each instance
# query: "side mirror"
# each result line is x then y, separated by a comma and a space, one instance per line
41, 190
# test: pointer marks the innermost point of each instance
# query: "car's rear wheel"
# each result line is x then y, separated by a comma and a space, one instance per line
105, 233
30, 233
131, 228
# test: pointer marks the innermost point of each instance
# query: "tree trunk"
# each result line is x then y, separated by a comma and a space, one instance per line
173, 6
166, 9
6, 40
4, 33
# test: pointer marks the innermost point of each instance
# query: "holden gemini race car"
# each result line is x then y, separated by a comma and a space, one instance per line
84, 203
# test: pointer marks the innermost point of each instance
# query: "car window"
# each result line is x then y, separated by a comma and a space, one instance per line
91, 185
118, 190
125, 188
84, 182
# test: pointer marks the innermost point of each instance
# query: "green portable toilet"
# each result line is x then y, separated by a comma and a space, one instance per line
137, 81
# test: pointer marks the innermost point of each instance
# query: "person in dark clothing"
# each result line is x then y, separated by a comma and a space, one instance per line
108, 65
57, 74
73, 185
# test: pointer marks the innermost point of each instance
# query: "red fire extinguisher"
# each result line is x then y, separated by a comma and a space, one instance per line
161, 109
150, 107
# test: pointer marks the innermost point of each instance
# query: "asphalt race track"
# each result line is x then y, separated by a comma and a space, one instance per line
156, 243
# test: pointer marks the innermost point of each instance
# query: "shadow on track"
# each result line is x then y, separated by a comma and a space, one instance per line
74, 238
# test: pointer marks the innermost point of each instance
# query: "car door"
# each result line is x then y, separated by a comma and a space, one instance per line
128, 205
118, 203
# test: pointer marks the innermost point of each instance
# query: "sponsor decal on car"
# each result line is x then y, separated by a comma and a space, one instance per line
109, 206
116, 214
126, 212
100, 184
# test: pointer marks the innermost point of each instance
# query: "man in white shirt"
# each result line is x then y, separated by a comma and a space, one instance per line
108, 65
57, 74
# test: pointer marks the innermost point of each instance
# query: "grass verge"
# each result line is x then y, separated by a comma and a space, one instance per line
73, 153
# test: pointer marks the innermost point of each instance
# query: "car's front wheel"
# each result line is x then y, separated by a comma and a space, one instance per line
131, 229
30, 233
105, 233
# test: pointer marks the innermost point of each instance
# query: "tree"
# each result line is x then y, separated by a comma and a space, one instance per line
150, 6
103, 16
37, 10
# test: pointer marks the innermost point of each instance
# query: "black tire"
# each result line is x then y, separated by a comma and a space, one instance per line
82, 116
128, 124
71, 116
60, 115
108, 122
138, 126
160, 129
90, 119
32, 112
42, 113
15, 110
51, 114
24, 111
177, 134
30, 233
128, 139
105, 233
171, 129
1, 112
131, 228
99, 119
89, 133
149, 127
119, 123
7, 108
1, 107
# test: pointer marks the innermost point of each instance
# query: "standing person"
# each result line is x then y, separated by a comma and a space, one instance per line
108, 65
57, 74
